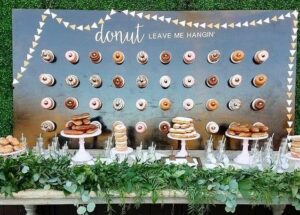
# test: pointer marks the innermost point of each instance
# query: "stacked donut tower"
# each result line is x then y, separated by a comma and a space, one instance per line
183, 127
120, 135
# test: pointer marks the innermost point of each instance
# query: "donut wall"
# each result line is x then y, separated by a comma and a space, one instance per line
145, 67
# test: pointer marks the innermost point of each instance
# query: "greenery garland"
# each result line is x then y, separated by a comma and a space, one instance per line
201, 186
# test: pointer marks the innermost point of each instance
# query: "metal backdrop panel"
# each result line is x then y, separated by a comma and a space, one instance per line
178, 32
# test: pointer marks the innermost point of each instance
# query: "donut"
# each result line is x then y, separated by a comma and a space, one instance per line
81, 116
189, 57
9, 137
212, 127
95, 81
72, 56
118, 57
165, 104
261, 56
164, 127
120, 128
212, 80
142, 57
140, 127
91, 130
47, 56
86, 121
213, 56
117, 123
97, 124
188, 81
72, 80
73, 132
212, 104
118, 81
235, 80
69, 124
122, 138
142, 81
47, 79
258, 104
118, 104
165, 81
188, 104
48, 103
6, 149
182, 120
77, 122
95, 56
4, 141
259, 80
234, 104
141, 104
71, 103
237, 56
95, 103
84, 127
165, 57
48, 126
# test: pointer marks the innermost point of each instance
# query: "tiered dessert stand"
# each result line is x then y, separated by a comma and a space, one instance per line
183, 152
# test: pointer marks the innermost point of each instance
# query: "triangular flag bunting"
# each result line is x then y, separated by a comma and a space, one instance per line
252, 23
259, 22
281, 17
289, 94
94, 25
175, 21
293, 45
26, 63
289, 80
182, 23
112, 12
274, 18
147, 16
161, 18
267, 20
154, 17
59, 20
203, 25
196, 24
289, 109
292, 52
87, 27
73, 26
34, 44
47, 11
53, 15
41, 24
245, 24
210, 25
19, 75
291, 66
28, 56
107, 17
44, 17
101, 21
289, 86
224, 25
238, 24
289, 130
295, 23
66, 24
289, 116
80, 27
132, 13
39, 31
190, 24
294, 37
291, 59
168, 20
290, 123
289, 102
23, 69
295, 30
15, 81
295, 13
140, 15
217, 25
125, 12
36, 37
288, 15
290, 73
231, 25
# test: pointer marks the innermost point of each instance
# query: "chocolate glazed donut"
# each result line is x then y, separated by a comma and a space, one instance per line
118, 81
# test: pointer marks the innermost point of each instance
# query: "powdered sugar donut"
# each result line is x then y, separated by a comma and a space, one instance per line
95, 81
118, 104
234, 104
142, 57
72, 56
95, 103
189, 57
142, 81
141, 104
261, 56
47, 56
48, 103
212, 127
72, 80
165, 81
140, 127
188, 104
235, 80
48, 126
188, 81
47, 79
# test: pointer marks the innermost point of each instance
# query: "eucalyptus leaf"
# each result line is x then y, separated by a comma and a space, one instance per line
47, 187
71, 189
90, 207
294, 190
85, 197
178, 173
36, 177
25, 169
81, 210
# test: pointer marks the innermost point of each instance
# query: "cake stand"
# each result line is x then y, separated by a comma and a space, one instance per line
122, 155
183, 152
81, 156
244, 157
296, 160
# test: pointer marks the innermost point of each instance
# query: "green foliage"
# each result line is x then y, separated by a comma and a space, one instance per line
201, 186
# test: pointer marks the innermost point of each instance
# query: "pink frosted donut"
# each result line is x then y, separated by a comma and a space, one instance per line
189, 57
95, 104
72, 56
48, 103
47, 79
140, 127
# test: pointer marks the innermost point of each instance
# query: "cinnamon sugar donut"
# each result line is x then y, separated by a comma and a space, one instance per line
189, 57
95, 56
237, 56
165, 104
118, 81
47, 56
259, 80
212, 104
47, 79
142, 57
72, 56
118, 104
258, 104
261, 56
212, 80
164, 127
118, 57
213, 56
165, 57
48, 103
71, 103
95, 81
95, 103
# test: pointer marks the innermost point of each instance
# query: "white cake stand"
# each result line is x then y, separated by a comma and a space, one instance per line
244, 157
81, 156
295, 160
122, 155
183, 152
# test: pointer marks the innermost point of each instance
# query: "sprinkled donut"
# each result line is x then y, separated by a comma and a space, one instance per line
48, 126
165, 104
71, 103
189, 57
212, 127
47, 79
234, 104
118, 81
48, 103
142, 81
72, 56
237, 56
165, 57
235, 80
188, 81
165, 81
118, 104
72, 80
141, 104
213, 56
95, 103
188, 104
261, 56
142, 57
259, 80
164, 127
95, 81
258, 104
95, 56
140, 127
212, 81
212, 104
47, 56
118, 57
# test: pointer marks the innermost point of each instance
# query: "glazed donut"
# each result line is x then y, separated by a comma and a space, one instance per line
140, 127
165, 57
118, 104
212, 104
165, 104
118, 57
72, 56
47, 79
189, 57
234, 104
188, 104
213, 56
142, 57
258, 104
117, 123
165, 81
95, 103
212, 80
95, 56
259, 80
141, 104
48, 126
237, 56
164, 127
71, 103
212, 127
118, 81
72, 80
48, 103
261, 56
95, 81
97, 124
235, 80
47, 56
142, 81
188, 81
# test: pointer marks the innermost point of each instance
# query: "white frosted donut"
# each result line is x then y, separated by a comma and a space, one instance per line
95, 103
118, 104
234, 104
141, 104
72, 80
189, 57
212, 127
235, 80
142, 57
140, 127
47, 79
98, 124
188, 104
48, 126
72, 56
261, 56
47, 56
95, 81
188, 81
165, 81
48, 103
